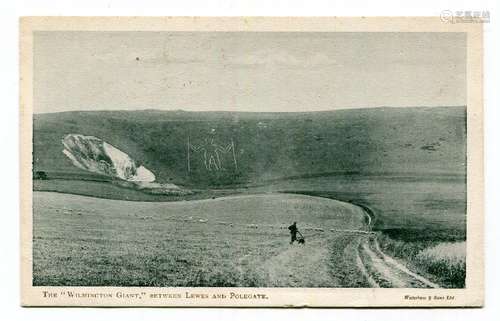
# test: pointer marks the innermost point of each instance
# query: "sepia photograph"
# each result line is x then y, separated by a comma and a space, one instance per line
287, 160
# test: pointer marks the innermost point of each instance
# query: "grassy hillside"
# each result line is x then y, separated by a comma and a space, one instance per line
266, 145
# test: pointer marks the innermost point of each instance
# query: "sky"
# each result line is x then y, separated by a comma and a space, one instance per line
246, 71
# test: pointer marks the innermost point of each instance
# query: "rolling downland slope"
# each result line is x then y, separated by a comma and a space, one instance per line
255, 147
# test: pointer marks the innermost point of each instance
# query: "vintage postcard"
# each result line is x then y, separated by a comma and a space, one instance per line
251, 162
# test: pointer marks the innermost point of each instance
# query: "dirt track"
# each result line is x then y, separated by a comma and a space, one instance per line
311, 265
384, 271
308, 266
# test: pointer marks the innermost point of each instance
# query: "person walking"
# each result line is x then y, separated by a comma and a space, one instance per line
293, 232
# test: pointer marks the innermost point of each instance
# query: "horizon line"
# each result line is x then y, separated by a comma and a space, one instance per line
243, 111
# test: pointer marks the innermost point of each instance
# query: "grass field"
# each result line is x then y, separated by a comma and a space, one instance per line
109, 190
408, 230
399, 201
240, 241
446, 259
412, 214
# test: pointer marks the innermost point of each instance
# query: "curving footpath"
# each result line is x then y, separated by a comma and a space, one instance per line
381, 270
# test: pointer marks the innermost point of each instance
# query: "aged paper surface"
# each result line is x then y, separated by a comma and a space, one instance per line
322, 162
